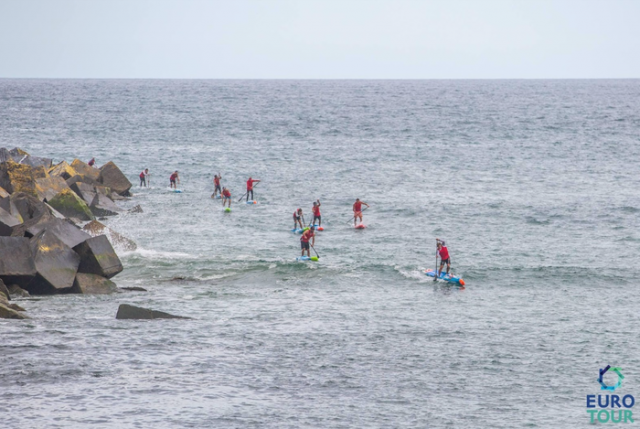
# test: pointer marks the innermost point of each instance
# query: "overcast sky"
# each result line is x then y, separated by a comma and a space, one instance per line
320, 39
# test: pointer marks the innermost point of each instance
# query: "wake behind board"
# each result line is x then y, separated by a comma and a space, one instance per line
360, 226
447, 278
306, 258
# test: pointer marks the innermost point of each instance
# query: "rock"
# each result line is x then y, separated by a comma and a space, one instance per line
134, 289
4, 291
49, 187
28, 206
16, 261
85, 191
15, 307
126, 311
111, 176
55, 213
63, 170
84, 179
4, 154
16, 151
98, 257
9, 207
103, 206
67, 232
7, 223
93, 284
3, 193
116, 197
17, 178
56, 265
70, 205
17, 292
35, 162
39, 172
117, 240
85, 169
9, 313
136, 209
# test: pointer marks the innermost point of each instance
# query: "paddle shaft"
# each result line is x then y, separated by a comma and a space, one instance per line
248, 191
314, 251
353, 217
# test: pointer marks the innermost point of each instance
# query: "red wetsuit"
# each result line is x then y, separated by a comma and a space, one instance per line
444, 253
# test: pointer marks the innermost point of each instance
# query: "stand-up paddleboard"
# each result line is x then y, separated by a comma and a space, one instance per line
447, 278
177, 191
318, 228
306, 258
360, 226
297, 230
227, 210
252, 202
217, 197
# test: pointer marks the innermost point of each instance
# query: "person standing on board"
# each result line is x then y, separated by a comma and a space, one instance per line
143, 177
173, 178
296, 219
316, 214
226, 196
216, 183
357, 210
250, 183
444, 256
304, 241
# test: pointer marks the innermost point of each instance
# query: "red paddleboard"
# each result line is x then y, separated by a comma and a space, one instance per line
361, 226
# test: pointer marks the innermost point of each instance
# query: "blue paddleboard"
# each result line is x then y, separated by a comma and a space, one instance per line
447, 278
306, 258
297, 230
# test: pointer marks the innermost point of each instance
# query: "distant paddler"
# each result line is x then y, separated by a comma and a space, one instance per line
316, 214
143, 177
357, 210
216, 184
444, 257
298, 217
172, 180
309, 234
250, 183
226, 197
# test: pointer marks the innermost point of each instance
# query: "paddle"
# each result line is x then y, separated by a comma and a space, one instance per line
353, 217
248, 192
435, 278
317, 256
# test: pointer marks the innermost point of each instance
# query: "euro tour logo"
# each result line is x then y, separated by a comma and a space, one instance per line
610, 408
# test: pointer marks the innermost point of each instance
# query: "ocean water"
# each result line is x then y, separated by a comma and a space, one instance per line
533, 185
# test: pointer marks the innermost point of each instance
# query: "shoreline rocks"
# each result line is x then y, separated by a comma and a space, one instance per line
42, 250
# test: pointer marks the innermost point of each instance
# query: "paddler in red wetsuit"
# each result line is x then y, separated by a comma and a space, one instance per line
357, 210
296, 219
250, 183
216, 183
316, 214
226, 196
304, 241
173, 178
444, 256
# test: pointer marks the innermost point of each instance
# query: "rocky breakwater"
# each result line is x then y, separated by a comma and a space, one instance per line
43, 250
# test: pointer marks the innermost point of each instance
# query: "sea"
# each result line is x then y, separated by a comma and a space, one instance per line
533, 184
